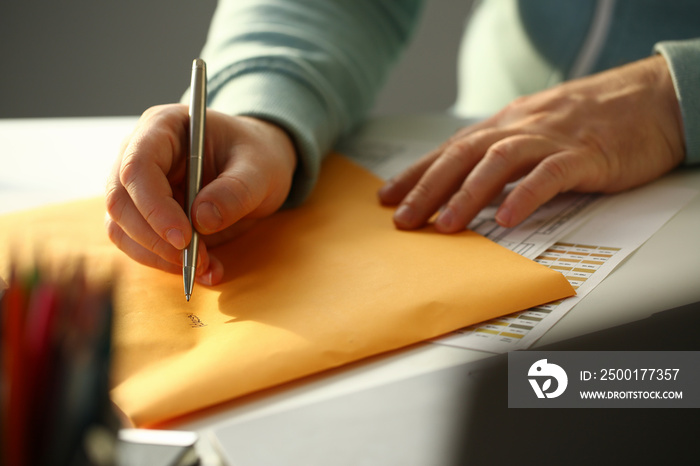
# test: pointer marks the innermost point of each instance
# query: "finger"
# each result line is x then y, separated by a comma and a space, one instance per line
122, 211
210, 269
148, 159
444, 177
396, 189
137, 252
555, 174
241, 190
505, 161
213, 273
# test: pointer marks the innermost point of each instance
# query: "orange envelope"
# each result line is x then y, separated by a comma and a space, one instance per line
305, 290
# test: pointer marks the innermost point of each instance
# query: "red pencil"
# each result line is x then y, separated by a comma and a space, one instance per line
15, 425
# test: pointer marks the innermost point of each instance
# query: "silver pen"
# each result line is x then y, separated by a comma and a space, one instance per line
198, 106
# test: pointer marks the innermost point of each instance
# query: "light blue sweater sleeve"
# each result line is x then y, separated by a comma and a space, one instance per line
313, 67
683, 58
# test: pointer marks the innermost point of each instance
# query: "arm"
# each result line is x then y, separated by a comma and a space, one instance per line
683, 59
311, 67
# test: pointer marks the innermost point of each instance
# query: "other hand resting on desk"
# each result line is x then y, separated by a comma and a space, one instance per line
604, 133
248, 168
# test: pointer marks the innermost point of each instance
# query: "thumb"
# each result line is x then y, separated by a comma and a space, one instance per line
226, 200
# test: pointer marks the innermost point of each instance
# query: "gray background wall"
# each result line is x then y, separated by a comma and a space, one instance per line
101, 57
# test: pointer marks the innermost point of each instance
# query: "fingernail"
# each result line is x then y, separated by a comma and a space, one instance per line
176, 238
384, 190
446, 218
206, 278
214, 274
404, 216
208, 217
503, 217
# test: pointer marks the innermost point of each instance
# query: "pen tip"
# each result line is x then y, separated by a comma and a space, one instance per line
187, 297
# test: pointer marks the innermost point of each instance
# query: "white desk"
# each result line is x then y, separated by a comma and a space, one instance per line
55, 160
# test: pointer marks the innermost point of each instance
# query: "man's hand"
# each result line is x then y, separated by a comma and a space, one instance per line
604, 133
248, 168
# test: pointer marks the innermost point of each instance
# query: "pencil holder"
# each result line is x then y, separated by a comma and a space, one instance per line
54, 378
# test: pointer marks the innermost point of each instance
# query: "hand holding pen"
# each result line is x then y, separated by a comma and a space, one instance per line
247, 171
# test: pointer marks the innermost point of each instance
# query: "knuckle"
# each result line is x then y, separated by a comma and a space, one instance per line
528, 193
151, 214
130, 168
414, 171
161, 111
554, 168
155, 244
114, 202
420, 191
419, 198
151, 112
458, 150
517, 105
114, 232
501, 152
240, 193
550, 178
464, 197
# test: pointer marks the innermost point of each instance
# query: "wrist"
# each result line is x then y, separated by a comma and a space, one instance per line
278, 136
668, 103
